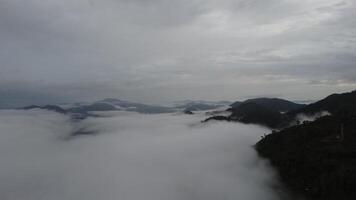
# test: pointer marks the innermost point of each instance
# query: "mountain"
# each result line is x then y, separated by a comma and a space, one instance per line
264, 111
82, 110
136, 107
74, 115
235, 104
335, 104
46, 107
120, 104
93, 107
251, 112
200, 105
111, 104
317, 159
280, 113
275, 104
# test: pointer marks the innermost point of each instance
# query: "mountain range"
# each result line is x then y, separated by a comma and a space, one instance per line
81, 110
317, 159
279, 113
270, 112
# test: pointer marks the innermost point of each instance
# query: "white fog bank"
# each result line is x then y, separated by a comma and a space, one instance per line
132, 157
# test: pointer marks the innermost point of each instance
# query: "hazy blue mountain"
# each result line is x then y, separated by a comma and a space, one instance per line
46, 107
93, 107
200, 105
112, 104
116, 104
183, 106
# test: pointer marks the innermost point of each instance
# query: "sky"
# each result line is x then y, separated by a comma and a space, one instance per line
159, 50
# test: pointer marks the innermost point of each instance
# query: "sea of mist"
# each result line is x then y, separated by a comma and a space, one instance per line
130, 156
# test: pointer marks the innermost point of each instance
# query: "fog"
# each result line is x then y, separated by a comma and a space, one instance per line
130, 157
311, 117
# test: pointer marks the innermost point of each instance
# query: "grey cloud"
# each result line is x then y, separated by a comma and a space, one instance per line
177, 49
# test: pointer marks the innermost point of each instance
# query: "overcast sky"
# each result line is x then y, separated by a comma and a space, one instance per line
163, 50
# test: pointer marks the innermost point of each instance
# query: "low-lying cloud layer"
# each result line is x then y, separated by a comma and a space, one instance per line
132, 157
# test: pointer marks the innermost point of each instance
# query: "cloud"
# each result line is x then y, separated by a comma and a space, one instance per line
309, 118
133, 156
144, 50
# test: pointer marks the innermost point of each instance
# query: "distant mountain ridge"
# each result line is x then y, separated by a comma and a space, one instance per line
200, 105
251, 112
82, 110
277, 104
263, 111
335, 104
280, 113
270, 112
54, 108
